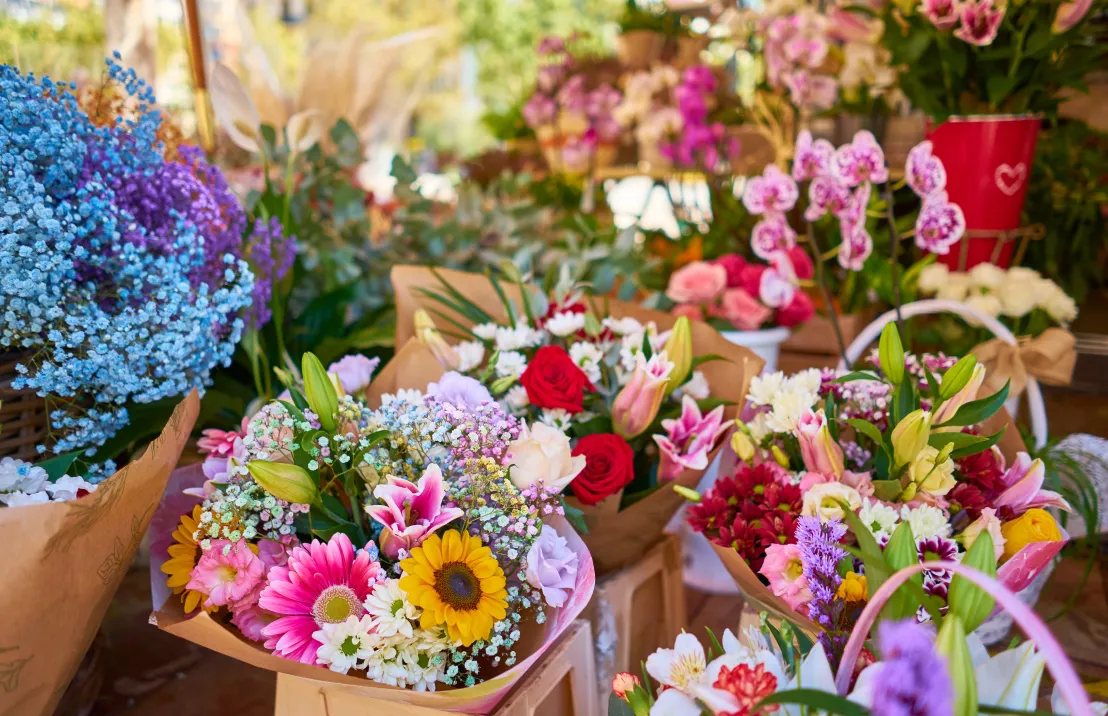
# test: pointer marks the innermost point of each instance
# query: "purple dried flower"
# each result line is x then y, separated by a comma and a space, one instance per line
270, 254
913, 679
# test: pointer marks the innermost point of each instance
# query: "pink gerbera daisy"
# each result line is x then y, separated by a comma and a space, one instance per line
322, 584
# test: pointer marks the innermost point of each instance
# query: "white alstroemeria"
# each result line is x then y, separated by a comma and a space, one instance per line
234, 109
485, 331
565, 323
510, 363
304, 129
764, 388
470, 355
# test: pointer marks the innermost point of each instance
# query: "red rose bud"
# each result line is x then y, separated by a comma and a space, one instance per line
609, 467
552, 380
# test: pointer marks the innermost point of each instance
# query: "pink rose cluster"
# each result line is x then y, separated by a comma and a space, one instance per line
745, 294
701, 142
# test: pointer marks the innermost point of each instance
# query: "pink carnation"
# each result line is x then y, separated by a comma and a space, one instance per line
228, 573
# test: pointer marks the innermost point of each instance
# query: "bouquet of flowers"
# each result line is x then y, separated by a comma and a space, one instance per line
900, 465
413, 545
646, 397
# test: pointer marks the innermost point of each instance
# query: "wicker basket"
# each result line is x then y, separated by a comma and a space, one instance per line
22, 413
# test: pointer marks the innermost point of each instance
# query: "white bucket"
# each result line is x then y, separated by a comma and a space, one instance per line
765, 343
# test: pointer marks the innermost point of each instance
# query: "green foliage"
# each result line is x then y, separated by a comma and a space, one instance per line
645, 16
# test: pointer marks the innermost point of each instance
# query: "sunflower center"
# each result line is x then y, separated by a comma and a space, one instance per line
458, 586
335, 603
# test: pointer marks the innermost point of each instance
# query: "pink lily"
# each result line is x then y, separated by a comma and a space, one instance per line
1069, 14
636, 406
1024, 487
980, 22
689, 439
411, 513
819, 452
943, 14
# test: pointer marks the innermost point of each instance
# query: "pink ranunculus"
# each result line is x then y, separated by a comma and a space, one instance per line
692, 311
775, 289
820, 452
797, 311
226, 572
773, 192
940, 224
411, 513
689, 439
1023, 487
827, 193
784, 568
924, 171
743, 310
943, 14
733, 264
772, 234
697, 282
861, 160
980, 22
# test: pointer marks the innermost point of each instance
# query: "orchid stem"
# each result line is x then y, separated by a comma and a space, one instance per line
895, 256
821, 278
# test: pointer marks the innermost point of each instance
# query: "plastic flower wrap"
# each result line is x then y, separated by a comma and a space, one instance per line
644, 397
418, 545
898, 462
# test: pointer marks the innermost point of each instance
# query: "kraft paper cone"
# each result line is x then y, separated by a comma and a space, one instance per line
618, 540
62, 564
201, 628
759, 594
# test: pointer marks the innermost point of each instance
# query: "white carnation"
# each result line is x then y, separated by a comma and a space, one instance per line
926, 521
986, 303
988, 276
516, 398
623, 326
485, 331
932, 277
764, 388
878, 517
470, 355
557, 418
522, 336
587, 357
1017, 298
510, 363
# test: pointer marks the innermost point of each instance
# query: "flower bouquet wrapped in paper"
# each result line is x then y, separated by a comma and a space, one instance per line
645, 396
904, 462
410, 549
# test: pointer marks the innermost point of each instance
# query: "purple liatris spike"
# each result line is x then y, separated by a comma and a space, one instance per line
914, 679
820, 554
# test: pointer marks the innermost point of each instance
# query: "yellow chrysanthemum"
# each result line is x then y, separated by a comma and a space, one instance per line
457, 582
182, 560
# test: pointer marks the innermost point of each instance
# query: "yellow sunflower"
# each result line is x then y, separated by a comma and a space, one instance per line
182, 559
457, 582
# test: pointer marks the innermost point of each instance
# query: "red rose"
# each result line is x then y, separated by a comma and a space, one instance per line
799, 310
751, 278
733, 264
553, 380
609, 467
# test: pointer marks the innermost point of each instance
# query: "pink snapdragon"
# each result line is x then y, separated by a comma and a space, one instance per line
689, 439
411, 513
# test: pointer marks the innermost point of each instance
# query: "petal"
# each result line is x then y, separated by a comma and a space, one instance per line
233, 108
304, 129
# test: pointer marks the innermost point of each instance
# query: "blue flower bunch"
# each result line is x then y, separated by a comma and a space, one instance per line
122, 274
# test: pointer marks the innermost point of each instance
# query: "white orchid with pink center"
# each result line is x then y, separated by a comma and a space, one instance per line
940, 224
689, 439
812, 158
771, 235
774, 192
924, 171
862, 160
411, 513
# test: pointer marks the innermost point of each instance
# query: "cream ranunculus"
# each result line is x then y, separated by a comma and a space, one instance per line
542, 455
927, 476
988, 276
823, 500
1017, 298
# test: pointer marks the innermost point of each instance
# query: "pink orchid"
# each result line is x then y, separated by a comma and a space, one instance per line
827, 193
980, 22
861, 160
810, 51
812, 157
924, 171
817, 92
773, 192
943, 14
940, 224
775, 288
1023, 487
689, 439
817, 448
772, 234
856, 247
411, 513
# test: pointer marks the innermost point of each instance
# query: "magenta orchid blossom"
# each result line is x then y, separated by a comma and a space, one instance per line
774, 192
1023, 489
940, 224
812, 157
689, 439
980, 22
411, 513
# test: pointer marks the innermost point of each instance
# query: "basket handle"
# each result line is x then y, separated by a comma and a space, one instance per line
935, 305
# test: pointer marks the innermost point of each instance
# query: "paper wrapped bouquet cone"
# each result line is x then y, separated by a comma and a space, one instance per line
615, 538
413, 366
62, 564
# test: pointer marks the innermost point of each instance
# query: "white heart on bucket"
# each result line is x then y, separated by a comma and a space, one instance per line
1010, 179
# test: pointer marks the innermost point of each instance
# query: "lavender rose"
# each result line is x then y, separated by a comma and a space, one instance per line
552, 567
459, 390
354, 372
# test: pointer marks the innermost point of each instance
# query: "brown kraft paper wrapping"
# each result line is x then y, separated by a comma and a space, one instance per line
615, 539
62, 564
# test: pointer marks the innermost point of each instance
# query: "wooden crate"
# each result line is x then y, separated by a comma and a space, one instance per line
561, 684
636, 611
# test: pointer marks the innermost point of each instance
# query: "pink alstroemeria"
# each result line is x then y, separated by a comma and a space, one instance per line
980, 22
861, 160
943, 14
689, 439
940, 224
827, 193
411, 513
773, 192
812, 158
1069, 14
1024, 487
772, 234
924, 171
818, 449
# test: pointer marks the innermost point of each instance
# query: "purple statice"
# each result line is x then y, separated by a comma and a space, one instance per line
271, 255
914, 679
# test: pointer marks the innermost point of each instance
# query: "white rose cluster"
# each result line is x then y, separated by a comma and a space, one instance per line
1012, 293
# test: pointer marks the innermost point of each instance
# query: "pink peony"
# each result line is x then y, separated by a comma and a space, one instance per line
227, 573
322, 584
784, 569
698, 282
743, 310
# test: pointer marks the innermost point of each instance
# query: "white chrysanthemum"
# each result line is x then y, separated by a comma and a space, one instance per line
346, 645
623, 326
926, 521
516, 398
382, 666
806, 380
758, 428
629, 354
557, 418
408, 395
510, 363
485, 331
391, 612
788, 407
764, 388
22, 499
19, 476
66, 487
565, 323
470, 355
988, 276
932, 277
878, 517
587, 356
697, 386
522, 336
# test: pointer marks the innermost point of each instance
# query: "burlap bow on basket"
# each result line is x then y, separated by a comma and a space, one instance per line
1049, 358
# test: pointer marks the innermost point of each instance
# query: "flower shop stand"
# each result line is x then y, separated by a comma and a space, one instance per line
561, 684
636, 611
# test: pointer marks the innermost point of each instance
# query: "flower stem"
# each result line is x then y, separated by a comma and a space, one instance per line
895, 267
828, 296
